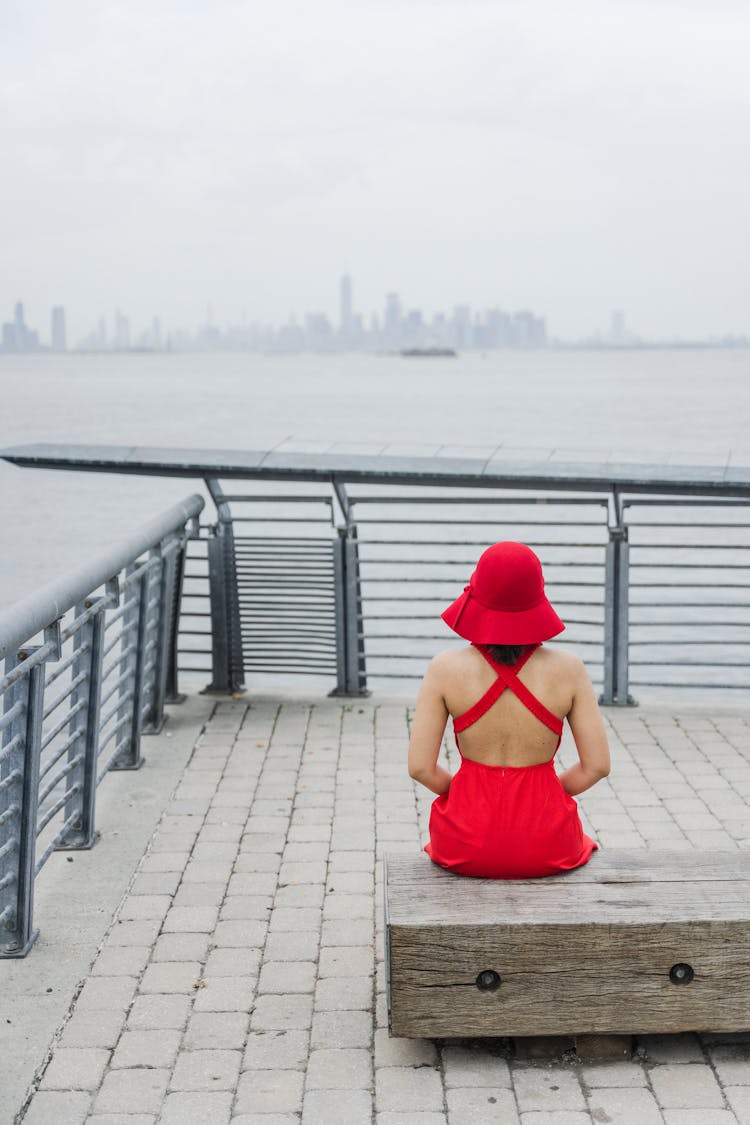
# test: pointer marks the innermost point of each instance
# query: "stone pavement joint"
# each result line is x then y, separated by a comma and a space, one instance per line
242, 979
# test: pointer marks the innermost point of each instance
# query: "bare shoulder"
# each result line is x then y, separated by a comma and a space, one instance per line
565, 662
445, 665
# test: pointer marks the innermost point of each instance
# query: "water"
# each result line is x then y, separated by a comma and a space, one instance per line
687, 407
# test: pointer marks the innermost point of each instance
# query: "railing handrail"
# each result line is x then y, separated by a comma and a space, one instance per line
454, 472
27, 617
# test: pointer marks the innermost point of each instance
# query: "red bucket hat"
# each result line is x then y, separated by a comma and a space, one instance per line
505, 603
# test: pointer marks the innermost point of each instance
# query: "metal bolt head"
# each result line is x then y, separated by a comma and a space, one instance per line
488, 980
681, 973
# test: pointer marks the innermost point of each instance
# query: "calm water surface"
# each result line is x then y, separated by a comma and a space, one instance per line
673, 406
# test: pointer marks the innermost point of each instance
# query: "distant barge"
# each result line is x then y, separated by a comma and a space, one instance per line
409, 352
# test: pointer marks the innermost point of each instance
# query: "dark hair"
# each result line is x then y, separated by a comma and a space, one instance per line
505, 654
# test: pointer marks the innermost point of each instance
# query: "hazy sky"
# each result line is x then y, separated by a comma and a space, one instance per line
571, 157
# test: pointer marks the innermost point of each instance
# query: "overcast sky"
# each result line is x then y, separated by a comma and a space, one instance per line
570, 157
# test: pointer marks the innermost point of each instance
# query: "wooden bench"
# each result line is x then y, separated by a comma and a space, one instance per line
633, 942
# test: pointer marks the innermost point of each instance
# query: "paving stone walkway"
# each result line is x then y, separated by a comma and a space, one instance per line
242, 979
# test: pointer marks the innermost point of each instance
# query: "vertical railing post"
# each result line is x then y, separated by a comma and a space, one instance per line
19, 806
227, 663
616, 610
161, 630
167, 579
172, 692
351, 668
89, 642
135, 619
339, 599
356, 672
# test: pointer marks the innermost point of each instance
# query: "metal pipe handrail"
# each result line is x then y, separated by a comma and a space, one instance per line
31, 614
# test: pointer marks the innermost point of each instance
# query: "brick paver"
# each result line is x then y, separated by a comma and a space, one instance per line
243, 978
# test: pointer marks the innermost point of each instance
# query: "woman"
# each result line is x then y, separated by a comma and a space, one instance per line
506, 814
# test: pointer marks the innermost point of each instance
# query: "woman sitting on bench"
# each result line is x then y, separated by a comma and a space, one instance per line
506, 814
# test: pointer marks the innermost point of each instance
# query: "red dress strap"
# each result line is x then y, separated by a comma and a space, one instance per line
508, 678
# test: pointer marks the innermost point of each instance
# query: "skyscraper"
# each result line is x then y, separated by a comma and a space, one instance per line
345, 304
59, 343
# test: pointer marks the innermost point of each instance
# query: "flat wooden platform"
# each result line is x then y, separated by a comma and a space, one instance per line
635, 941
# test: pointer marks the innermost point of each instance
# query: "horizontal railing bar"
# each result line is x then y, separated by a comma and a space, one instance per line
684, 502
690, 663
689, 605
121, 745
56, 806
425, 578
437, 597
115, 686
310, 519
689, 685
322, 567
686, 642
313, 612
468, 563
651, 546
113, 730
58, 777
285, 498
59, 669
14, 744
13, 713
287, 542
419, 579
447, 522
121, 702
116, 615
249, 576
292, 629
10, 780
123, 656
584, 501
63, 722
674, 585
64, 695
54, 758
52, 845
10, 814
688, 566
298, 669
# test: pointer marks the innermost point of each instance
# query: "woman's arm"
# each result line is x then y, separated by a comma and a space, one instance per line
590, 736
427, 728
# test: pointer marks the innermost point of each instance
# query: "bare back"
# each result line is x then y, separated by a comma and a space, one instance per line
508, 734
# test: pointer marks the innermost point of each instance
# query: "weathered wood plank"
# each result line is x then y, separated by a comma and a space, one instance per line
714, 887
572, 955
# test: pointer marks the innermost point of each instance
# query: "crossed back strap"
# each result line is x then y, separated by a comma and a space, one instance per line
507, 677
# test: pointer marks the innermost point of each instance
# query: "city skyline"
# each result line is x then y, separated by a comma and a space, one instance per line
395, 327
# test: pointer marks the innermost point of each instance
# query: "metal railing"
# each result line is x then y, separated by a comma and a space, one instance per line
654, 591
89, 662
345, 577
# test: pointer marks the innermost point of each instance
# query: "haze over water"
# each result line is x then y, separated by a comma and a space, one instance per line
686, 407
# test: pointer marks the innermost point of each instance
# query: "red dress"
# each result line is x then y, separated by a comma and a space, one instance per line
507, 822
